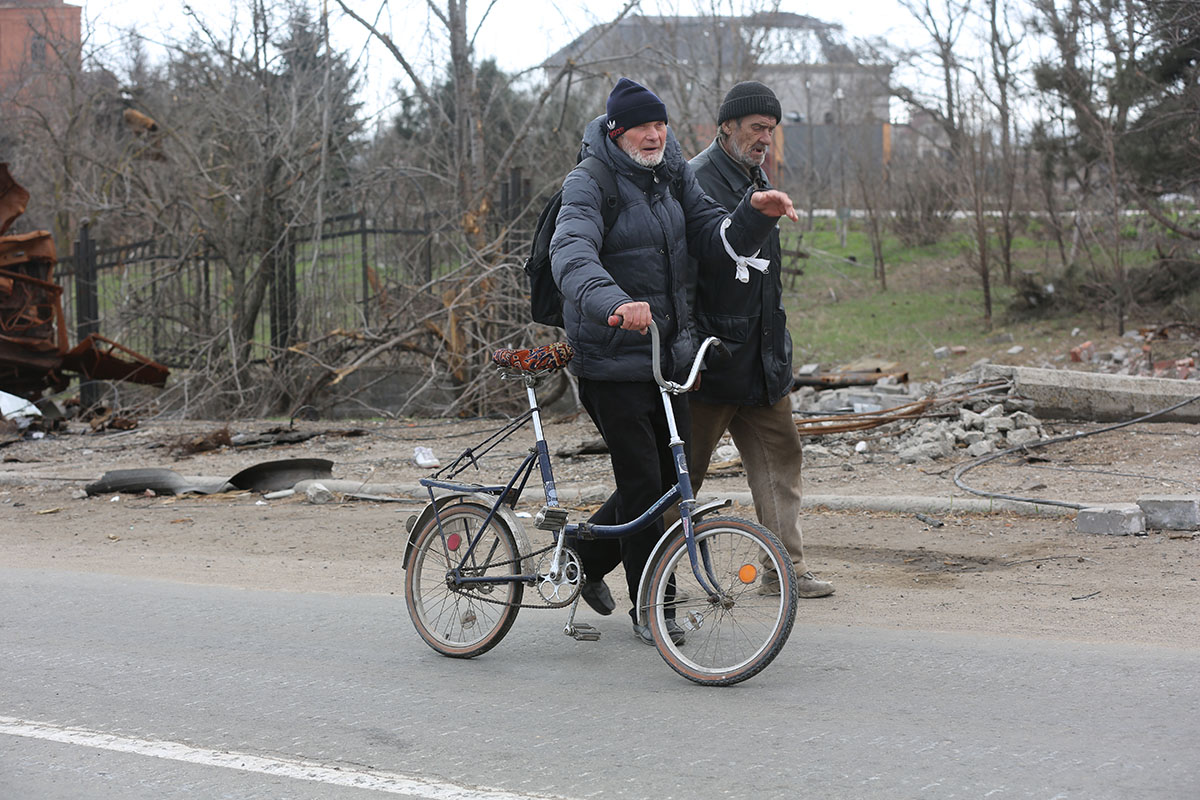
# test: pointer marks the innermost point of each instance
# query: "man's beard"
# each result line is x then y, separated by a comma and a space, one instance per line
650, 162
746, 158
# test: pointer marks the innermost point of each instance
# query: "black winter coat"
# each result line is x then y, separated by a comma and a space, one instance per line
643, 258
748, 317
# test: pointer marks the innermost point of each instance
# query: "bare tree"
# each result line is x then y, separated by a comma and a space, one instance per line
1003, 51
1091, 38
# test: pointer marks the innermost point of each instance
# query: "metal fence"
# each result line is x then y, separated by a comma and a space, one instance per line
170, 305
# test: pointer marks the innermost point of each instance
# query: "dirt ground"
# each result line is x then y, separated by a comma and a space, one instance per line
1027, 575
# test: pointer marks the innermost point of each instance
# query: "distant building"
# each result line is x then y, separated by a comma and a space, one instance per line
692, 61
33, 34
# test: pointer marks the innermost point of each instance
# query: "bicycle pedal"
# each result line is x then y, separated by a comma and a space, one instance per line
582, 632
550, 518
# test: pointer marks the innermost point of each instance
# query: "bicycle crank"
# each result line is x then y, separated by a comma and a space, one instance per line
559, 587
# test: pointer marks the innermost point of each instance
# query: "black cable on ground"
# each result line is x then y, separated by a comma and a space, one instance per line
965, 468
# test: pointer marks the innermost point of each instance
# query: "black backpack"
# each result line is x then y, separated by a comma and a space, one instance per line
545, 300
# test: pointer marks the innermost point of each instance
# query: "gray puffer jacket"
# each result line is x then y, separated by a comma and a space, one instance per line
644, 258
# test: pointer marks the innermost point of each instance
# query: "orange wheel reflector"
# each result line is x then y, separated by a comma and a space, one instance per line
747, 573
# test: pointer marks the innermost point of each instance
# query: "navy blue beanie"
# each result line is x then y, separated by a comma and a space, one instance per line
630, 104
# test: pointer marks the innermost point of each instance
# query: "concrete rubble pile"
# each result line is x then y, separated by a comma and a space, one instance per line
967, 414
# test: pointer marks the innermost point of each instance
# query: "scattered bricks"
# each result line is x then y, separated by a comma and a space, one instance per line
958, 350
1171, 512
1117, 519
1015, 350
1083, 352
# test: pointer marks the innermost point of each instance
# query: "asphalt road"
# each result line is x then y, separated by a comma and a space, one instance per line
136, 689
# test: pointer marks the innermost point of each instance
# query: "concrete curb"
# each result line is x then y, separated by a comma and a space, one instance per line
596, 493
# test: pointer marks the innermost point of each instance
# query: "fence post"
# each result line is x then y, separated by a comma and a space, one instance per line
366, 278
283, 292
428, 276
87, 305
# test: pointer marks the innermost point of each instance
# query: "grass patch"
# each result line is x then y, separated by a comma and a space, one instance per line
837, 312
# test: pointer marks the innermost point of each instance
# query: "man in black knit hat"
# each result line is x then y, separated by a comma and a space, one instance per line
748, 393
615, 283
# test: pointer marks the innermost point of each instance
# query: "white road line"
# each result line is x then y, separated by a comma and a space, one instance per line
372, 780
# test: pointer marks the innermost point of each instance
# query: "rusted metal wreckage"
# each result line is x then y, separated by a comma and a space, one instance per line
34, 352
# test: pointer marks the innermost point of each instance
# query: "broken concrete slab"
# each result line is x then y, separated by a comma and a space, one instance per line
1171, 512
1099, 397
1115, 519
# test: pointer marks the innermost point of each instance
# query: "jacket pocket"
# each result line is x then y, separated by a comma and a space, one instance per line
727, 329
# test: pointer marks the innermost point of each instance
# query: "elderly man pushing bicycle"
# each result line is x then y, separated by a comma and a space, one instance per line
616, 281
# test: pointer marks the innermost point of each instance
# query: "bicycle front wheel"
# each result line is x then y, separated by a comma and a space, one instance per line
725, 639
467, 621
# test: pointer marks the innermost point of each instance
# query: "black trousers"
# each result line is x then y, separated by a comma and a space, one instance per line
631, 419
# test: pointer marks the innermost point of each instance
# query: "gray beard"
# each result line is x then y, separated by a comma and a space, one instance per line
746, 159
651, 162
643, 161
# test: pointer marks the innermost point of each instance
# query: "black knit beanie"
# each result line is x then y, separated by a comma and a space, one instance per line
630, 104
749, 97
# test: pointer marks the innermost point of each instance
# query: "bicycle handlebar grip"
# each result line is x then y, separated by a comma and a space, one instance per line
720, 352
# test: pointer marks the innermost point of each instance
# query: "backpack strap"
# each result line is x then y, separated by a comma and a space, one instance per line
608, 187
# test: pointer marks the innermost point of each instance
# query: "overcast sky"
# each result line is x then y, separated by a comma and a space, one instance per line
517, 33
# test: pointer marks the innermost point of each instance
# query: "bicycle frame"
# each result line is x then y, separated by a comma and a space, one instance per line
552, 516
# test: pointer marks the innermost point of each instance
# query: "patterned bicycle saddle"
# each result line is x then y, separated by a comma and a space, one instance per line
536, 359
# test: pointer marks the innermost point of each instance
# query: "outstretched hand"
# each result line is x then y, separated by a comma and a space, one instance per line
774, 203
632, 317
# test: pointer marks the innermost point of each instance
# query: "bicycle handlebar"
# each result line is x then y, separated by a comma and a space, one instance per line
656, 361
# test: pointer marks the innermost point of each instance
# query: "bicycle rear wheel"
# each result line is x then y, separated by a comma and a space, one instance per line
734, 636
470, 621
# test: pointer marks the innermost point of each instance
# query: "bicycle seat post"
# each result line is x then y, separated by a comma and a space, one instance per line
552, 517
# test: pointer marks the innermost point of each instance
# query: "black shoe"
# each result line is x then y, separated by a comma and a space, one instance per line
597, 595
673, 630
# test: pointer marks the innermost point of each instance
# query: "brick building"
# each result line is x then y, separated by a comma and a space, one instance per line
34, 34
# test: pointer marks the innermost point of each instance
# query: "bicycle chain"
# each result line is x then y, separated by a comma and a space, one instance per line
466, 592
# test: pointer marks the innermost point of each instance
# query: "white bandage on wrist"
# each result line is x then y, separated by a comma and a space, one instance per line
743, 262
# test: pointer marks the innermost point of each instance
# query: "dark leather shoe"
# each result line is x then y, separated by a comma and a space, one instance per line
597, 595
673, 630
